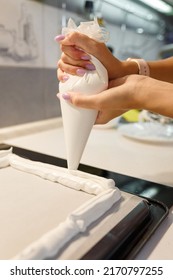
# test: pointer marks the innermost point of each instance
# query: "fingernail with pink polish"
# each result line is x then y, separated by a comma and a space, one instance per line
59, 37
86, 57
66, 96
90, 67
65, 78
80, 72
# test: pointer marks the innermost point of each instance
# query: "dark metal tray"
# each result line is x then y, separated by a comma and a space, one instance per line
126, 239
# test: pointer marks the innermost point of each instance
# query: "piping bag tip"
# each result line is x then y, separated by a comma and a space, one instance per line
77, 123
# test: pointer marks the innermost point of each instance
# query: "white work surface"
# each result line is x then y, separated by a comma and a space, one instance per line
108, 149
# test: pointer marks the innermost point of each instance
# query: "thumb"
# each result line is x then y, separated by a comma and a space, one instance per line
80, 100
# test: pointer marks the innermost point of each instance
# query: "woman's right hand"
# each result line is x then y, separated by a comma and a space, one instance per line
75, 59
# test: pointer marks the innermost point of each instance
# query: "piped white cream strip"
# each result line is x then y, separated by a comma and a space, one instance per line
106, 195
4, 157
50, 244
76, 180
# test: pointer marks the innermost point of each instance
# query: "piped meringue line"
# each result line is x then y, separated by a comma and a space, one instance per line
73, 179
4, 162
5, 152
4, 157
105, 195
50, 244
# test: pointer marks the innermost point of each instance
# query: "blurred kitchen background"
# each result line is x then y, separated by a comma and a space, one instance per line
28, 52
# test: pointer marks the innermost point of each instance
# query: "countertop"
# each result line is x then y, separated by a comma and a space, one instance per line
108, 149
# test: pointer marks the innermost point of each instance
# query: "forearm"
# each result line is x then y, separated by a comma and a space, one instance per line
155, 96
81, 44
160, 69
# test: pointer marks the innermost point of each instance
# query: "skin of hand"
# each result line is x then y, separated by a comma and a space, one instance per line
76, 49
126, 93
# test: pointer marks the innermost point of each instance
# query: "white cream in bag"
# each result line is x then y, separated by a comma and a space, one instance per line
78, 122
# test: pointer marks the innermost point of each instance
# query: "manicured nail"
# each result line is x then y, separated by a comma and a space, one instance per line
86, 57
66, 96
80, 72
90, 67
59, 37
65, 78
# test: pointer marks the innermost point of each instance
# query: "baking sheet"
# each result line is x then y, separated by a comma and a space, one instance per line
103, 229
31, 206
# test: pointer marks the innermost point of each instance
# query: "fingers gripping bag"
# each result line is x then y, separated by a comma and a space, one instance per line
78, 122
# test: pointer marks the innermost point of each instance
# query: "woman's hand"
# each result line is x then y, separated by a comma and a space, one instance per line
116, 100
75, 59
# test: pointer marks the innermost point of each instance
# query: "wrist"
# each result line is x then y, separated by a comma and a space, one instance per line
129, 67
142, 65
142, 92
